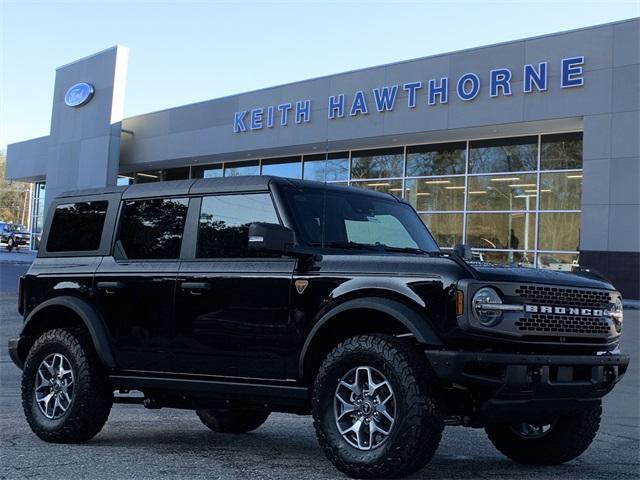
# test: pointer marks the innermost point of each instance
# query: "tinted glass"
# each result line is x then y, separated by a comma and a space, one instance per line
561, 151
503, 155
327, 167
394, 187
502, 192
559, 231
152, 229
438, 159
77, 227
289, 167
436, 193
501, 230
224, 223
181, 173
359, 222
241, 168
560, 191
383, 163
207, 171
446, 228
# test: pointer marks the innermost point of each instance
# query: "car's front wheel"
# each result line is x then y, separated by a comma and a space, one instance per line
374, 408
559, 441
10, 244
66, 394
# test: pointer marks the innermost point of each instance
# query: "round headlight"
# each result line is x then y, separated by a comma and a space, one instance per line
617, 314
482, 301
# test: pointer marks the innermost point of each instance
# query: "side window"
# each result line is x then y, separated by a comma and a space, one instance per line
152, 229
224, 223
77, 227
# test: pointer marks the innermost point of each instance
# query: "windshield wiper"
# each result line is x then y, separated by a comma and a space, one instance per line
347, 245
408, 250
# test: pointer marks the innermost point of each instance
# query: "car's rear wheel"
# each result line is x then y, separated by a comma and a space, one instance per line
233, 419
374, 408
66, 394
548, 443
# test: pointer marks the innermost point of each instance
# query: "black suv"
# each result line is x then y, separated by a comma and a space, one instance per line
13, 235
240, 296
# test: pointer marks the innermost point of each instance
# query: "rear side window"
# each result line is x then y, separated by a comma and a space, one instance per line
152, 229
224, 223
77, 227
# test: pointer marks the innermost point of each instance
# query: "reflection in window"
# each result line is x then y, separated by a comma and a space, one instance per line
207, 171
561, 151
181, 173
560, 191
503, 155
289, 167
393, 187
224, 223
437, 159
558, 261
502, 192
383, 163
444, 193
521, 259
559, 231
446, 228
77, 227
153, 228
242, 168
327, 167
501, 230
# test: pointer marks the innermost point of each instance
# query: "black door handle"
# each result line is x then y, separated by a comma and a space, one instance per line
110, 286
195, 286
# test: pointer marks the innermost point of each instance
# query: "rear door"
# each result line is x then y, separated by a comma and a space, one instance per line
136, 285
232, 307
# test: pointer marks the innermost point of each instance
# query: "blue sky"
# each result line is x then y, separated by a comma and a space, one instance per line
185, 51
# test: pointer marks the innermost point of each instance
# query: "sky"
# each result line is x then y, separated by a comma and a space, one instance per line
183, 52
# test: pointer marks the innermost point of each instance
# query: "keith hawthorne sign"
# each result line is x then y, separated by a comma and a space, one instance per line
433, 92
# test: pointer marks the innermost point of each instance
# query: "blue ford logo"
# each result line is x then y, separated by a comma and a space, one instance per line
79, 94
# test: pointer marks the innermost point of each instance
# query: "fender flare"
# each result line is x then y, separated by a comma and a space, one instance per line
415, 322
91, 319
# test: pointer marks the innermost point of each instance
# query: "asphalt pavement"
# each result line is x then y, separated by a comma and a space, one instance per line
173, 444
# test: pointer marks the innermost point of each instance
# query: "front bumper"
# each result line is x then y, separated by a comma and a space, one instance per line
512, 386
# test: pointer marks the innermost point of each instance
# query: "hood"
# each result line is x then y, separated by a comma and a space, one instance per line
507, 273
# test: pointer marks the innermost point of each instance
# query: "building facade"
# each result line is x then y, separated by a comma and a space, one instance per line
528, 151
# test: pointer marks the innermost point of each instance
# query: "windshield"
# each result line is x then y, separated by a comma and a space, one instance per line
16, 228
350, 220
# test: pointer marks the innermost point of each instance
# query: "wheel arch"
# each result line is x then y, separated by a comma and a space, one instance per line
358, 316
67, 311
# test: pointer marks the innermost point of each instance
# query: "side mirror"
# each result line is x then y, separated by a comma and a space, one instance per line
270, 237
463, 251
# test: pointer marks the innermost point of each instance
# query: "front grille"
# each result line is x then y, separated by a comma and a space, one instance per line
560, 296
564, 327
563, 324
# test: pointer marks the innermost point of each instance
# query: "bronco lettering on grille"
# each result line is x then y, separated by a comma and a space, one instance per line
584, 312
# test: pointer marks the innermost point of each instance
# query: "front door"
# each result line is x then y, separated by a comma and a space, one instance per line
135, 287
232, 309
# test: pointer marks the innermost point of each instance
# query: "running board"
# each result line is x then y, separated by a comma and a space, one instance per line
280, 394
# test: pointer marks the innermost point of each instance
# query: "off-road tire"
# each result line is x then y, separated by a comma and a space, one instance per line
92, 397
418, 429
570, 435
234, 419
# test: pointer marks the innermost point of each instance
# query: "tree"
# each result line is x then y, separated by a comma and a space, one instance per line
14, 197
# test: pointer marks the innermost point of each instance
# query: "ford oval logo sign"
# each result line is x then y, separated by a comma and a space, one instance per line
79, 94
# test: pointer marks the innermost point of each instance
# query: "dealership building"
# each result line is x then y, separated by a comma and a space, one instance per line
528, 150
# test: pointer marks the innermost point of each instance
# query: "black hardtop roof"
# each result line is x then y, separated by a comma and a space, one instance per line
239, 184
